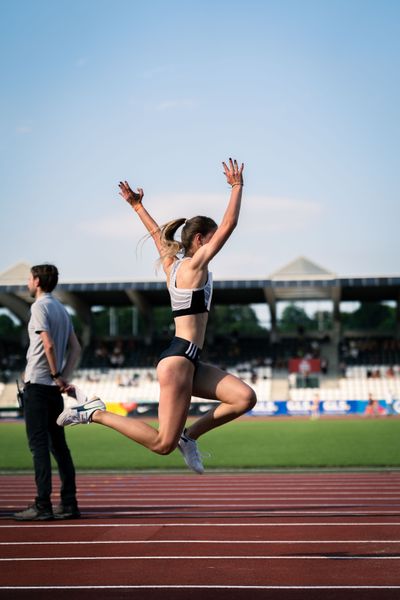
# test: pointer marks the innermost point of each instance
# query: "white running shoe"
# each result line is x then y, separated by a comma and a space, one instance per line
81, 413
191, 454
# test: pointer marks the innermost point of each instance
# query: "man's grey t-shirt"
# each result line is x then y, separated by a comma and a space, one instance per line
47, 314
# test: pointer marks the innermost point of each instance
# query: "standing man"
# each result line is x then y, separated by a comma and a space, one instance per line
52, 355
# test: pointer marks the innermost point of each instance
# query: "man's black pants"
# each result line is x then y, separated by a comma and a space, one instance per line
42, 405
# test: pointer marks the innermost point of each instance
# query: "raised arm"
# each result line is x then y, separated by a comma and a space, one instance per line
234, 176
135, 200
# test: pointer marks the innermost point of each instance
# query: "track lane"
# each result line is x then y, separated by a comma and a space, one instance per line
176, 530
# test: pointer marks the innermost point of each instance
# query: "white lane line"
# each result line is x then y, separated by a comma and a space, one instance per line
200, 587
269, 512
266, 504
264, 542
216, 486
216, 483
221, 514
206, 557
229, 503
97, 505
102, 492
238, 513
85, 497
201, 493
236, 482
69, 525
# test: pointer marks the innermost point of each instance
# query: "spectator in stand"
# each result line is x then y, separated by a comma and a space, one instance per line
373, 408
369, 409
253, 377
324, 366
92, 378
292, 380
315, 407
390, 400
390, 372
354, 351
343, 369
117, 358
101, 355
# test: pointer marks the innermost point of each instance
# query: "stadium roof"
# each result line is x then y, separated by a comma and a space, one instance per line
302, 268
301, 279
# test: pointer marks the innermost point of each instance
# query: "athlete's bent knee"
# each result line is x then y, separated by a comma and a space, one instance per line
248, 399
252, 400
164, 447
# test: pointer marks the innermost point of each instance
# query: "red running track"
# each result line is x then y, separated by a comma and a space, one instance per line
222, 535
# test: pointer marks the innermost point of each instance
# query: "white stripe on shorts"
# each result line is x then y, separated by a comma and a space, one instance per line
191, 351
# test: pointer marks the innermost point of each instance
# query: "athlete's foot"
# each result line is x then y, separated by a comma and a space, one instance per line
82, 413
191, 453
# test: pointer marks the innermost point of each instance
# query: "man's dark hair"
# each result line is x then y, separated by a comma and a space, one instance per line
47, 275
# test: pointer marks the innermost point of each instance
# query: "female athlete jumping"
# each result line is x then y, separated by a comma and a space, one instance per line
180, 372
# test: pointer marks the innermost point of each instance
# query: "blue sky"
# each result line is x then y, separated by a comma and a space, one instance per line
305, 92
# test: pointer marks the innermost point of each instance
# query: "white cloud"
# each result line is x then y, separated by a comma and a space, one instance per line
260, 214
109, 228
24, 129
273, 214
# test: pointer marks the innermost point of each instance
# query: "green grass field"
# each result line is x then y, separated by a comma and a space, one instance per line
247, 443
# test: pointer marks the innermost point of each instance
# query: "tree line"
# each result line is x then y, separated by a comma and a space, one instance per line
229, 319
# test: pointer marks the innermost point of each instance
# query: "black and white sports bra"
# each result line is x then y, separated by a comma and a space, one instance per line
189, 302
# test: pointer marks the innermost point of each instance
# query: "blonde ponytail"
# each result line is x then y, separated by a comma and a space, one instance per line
170, 246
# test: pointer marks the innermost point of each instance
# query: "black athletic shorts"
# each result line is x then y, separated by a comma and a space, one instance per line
181, 347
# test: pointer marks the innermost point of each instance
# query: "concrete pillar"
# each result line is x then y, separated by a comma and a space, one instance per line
82, 310
144, 308
336, 331
16, 306
397, 330
271, 301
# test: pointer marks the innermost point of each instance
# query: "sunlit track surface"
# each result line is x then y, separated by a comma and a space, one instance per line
227, 535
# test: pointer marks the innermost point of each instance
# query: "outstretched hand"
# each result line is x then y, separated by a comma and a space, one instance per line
129, 195
233, 173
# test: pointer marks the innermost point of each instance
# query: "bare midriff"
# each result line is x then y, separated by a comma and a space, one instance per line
192, 328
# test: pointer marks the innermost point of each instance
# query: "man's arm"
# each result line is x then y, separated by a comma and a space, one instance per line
72, 359
74, 354
49, 350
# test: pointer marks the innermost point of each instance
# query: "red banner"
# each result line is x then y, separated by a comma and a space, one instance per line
304, 366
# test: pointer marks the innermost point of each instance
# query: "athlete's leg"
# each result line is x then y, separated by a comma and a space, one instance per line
235, 396
175, 375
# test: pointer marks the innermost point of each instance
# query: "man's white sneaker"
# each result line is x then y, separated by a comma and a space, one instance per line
191, 454
81, 413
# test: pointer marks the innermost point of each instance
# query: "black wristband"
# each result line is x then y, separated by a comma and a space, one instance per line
56, 375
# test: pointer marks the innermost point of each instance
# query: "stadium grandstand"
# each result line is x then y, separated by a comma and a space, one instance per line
344, 367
